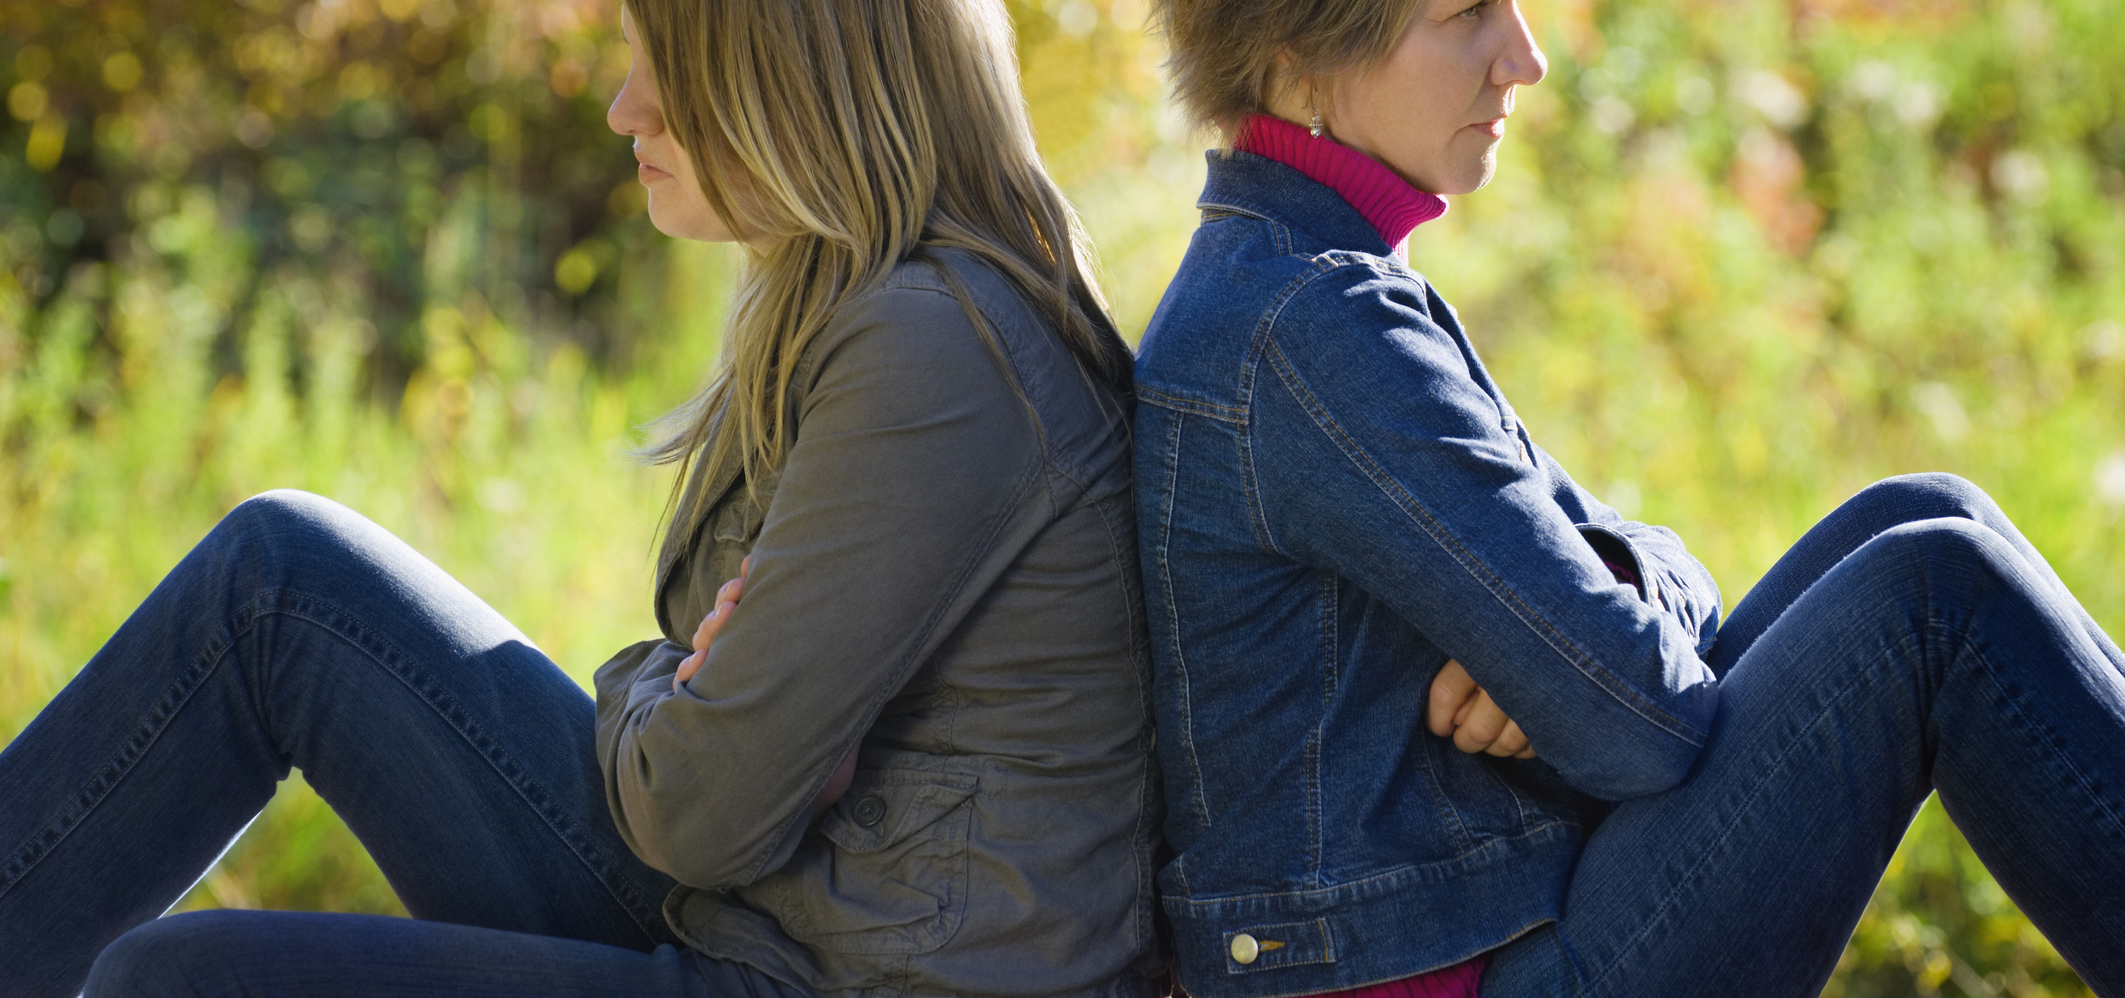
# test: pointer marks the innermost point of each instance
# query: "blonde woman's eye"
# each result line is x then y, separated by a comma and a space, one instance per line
1476, 9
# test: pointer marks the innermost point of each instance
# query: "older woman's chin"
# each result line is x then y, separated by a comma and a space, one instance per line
1473, 176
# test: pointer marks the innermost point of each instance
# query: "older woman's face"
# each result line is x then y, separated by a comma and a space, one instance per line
676, 205
1434, 109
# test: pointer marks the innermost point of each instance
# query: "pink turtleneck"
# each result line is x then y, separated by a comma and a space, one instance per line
1387, 201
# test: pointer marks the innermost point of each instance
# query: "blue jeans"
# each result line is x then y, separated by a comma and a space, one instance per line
298, 633
1911, 642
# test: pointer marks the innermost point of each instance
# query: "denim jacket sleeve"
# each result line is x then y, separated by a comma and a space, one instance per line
913, 465
1394, 467
1673, 579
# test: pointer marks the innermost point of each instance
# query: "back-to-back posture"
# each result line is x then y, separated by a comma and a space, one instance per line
904, 749
1432, 718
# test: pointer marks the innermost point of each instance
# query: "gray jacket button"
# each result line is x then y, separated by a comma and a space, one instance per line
870, 810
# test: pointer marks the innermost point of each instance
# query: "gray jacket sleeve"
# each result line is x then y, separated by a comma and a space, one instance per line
903, 498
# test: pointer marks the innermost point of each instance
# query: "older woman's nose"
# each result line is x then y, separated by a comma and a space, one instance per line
1522, 62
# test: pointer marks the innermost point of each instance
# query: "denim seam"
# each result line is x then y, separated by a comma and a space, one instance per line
135, 748
1365, 881
385, 654
1226, 413
1854, 679
1386, 483
1251, 489
1180, 660
1314, 806
1259, 347
1442, 801
2029, 723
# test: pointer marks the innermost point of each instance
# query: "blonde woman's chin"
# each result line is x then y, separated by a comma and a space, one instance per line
685, 219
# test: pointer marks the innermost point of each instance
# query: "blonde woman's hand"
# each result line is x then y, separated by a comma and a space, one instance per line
705, 635
1459, 708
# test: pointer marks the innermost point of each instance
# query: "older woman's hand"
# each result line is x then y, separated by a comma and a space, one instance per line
1460, 708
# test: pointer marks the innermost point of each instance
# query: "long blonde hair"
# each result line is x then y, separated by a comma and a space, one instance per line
852, 134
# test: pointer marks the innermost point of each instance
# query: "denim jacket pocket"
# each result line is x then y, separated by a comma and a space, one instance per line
891, 876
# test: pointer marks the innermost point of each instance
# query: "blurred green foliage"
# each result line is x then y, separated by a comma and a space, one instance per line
1741, 258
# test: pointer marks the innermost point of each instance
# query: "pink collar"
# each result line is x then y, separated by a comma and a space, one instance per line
1387, 201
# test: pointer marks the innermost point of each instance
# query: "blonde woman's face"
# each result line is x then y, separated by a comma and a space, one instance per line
676, 205
1434, 110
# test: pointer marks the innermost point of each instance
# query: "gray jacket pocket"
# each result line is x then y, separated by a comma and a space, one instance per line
885, 871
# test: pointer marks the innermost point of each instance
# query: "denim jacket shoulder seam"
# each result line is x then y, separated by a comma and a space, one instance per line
1264, 339
1491, 581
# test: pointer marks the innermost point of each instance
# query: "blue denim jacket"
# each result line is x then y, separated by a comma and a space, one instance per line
1334, 499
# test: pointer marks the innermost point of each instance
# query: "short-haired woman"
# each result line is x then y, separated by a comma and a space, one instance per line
917, 760
1431, 716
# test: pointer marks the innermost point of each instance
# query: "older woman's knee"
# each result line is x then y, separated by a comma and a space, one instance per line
163, 958
1930, 495
1943, 549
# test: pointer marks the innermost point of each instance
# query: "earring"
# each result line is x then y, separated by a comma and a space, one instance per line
1316, 126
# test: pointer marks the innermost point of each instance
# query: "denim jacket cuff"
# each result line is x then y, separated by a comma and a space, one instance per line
1622, 559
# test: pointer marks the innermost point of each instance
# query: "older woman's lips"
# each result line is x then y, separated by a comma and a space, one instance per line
1494, 129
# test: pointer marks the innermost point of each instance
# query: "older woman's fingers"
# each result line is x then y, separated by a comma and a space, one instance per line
1451, 692
1484, 724
1511, 742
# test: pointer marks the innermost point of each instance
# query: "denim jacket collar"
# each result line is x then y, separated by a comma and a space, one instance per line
1262, 187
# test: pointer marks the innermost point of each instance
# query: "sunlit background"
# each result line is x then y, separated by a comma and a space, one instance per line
1741, 258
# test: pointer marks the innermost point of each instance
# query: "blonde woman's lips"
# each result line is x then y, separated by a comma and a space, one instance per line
648, 172
1495, 129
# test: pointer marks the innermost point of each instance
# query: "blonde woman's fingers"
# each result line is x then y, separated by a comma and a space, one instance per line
712, 624
687, 668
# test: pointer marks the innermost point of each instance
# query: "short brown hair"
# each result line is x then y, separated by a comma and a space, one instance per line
1224, 51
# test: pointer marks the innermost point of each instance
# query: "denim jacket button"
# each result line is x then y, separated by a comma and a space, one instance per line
1245, 949
870, 810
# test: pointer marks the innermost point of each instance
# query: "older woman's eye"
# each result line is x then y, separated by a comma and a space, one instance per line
1476, 9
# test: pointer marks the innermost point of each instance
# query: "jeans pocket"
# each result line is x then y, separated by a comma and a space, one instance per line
886, 870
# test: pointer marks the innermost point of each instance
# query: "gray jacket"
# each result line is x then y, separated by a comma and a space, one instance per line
944, 571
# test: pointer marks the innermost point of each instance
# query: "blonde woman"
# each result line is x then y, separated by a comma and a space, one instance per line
894, 737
